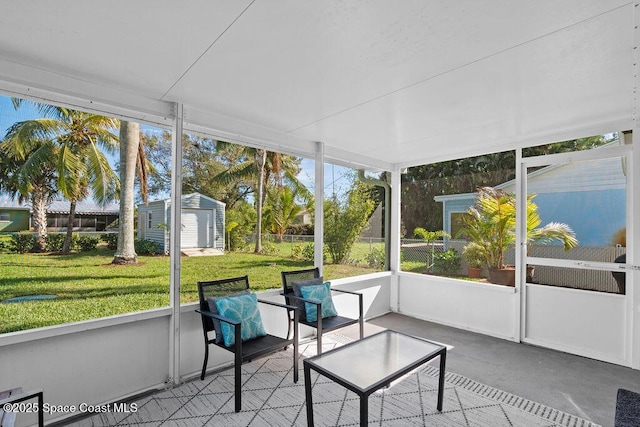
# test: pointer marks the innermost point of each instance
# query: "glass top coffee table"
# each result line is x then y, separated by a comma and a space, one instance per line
372, 363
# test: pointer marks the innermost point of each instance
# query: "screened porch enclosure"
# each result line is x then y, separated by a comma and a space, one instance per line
374, 86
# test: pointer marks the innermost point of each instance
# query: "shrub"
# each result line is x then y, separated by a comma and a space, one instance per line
308, 251
269, 248
474, 254
429, 236
87, 243
146, 247
375, 258
54, 242
420, 233
305, 252
239, 223
345, 220
5, 242
22, 242
299, 230
111, 239
296, 251
447, 263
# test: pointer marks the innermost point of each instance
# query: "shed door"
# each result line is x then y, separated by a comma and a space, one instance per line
197, 227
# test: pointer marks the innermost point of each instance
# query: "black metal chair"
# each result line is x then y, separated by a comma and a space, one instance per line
321, 325
244, 351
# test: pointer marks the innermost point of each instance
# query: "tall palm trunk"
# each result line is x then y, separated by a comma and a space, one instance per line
129, 143
39, 221
261, 159
66, 246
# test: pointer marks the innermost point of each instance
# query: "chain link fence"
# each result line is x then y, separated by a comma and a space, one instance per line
366, 251
420, 256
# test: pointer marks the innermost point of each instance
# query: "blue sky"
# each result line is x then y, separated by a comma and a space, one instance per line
337, 179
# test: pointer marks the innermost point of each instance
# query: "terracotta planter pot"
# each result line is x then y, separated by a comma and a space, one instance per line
503, 276
474, 272
507, 276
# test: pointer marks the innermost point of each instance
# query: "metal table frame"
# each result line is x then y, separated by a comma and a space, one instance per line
312, 363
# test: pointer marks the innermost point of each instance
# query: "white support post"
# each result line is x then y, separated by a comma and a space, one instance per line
632, 278
175, 228
318, 235
394, 236
521, 247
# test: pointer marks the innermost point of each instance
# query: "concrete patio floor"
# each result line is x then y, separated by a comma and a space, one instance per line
573, 384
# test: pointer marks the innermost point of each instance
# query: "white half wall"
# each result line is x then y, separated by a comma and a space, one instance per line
375, 288
478, 307
92, 362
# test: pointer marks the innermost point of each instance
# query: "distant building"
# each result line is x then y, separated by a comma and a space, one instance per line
202, 222
588, 196
90, 215
13, 215
303, 217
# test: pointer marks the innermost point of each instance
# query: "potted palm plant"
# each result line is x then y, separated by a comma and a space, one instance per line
491, 225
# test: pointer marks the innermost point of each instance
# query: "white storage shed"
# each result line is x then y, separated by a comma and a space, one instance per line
202, 222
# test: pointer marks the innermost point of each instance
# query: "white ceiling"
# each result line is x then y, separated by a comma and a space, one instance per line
387, 84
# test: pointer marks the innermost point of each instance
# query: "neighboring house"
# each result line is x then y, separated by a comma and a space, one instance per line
90, 216
202, 222
13, 215
588, 196
303, 217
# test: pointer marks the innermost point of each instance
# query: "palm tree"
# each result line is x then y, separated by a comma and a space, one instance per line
129, 153
260, 169
491, 223
282, 210
81, 165
261, 160
27, 171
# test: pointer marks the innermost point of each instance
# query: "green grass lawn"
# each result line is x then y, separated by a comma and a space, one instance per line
87, 286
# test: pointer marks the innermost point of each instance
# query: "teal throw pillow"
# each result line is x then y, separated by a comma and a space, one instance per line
217, 326
244, 309
296, 291
320, 293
